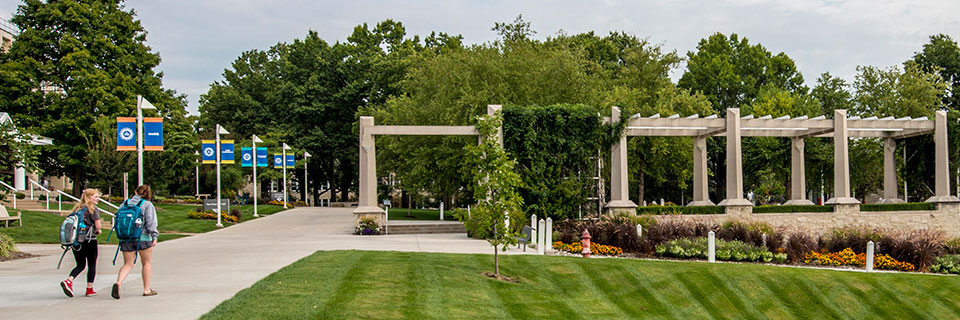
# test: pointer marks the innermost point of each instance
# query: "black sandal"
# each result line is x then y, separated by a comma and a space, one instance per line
115, 292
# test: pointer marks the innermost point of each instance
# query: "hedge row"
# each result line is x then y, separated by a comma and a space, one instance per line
791, 209
913, 206
679, 210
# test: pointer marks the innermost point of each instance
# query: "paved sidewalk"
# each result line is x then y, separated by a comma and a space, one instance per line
196, 273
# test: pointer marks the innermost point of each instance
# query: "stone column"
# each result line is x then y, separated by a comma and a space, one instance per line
619, 200
734, 162
700, 193
798, 177
942, 162
367, 208
841, 162
890, 172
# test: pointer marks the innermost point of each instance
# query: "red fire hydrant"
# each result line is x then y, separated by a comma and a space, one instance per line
585, 241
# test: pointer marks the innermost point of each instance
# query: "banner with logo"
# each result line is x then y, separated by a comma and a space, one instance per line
227, 152
153, 134
246, 157
290, 161
278, 161
262, 159
126, 134
208, 151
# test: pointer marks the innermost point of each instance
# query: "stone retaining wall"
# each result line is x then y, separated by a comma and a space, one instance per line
946, 218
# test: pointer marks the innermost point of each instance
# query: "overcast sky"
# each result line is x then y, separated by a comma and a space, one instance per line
198, 39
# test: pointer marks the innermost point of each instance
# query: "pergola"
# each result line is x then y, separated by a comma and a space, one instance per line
735, 126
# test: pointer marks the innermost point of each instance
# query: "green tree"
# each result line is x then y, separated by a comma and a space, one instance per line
15, 150
895, 92
942, 55
832, 93
73, 64
495, 188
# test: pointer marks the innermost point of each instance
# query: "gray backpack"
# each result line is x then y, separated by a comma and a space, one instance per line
73, 232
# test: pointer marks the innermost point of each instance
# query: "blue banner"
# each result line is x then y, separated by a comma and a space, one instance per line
278, 161
153, 133
262, 159
246, 157
226, 152
208, 151
126, 134
290, 161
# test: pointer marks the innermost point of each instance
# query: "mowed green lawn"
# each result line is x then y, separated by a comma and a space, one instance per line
44, 227
370, 284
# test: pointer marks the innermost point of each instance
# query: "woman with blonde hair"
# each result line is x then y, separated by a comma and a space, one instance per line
143, 247
86, 256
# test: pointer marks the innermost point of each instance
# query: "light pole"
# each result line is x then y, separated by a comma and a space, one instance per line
141, 104
305, 181
220, 130
255, 190
284, 161
196, 177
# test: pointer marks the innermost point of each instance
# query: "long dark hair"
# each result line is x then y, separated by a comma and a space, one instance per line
144, 192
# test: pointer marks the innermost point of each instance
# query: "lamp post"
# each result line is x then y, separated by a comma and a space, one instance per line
220, 130
255, 190
141, 104
306, 182
284, 161
196, 176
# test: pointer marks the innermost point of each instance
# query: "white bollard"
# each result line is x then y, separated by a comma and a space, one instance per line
764, 238
549, 234
711, 247
541, 232
533, 225
869, 263
639, 231
386, 219
441, 211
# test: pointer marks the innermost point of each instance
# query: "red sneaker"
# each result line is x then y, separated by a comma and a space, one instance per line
90, 292
67, 287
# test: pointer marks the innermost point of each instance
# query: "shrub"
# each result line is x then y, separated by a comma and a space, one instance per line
367, 226
752, 233
798, 244
618, 232
7, 246
235, 212
952, 246
280, 203
21, 196
679, 210
735, 250
791, 209
949, 263
210, 215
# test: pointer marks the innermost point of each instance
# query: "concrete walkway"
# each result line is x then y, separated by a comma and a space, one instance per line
196, 273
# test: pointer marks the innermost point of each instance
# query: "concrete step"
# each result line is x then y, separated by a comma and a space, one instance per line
427, 228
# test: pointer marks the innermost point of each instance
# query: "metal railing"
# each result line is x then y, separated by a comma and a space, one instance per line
34, 183
14, 193
61, 193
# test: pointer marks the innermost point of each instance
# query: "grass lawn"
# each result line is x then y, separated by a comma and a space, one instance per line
420, 214
370, 284
43, 227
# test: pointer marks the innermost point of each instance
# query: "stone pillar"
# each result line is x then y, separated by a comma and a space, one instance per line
619, 200
367, 208
701, 195
890, 172
798, 175
734, 162
841, 162
942, 162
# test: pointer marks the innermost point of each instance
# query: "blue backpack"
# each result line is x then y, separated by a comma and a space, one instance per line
73, 232
128, 225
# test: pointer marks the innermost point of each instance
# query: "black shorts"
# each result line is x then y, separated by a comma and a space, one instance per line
128, 246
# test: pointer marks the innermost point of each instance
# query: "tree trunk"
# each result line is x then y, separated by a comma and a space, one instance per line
640, 185
77, 183
496, 261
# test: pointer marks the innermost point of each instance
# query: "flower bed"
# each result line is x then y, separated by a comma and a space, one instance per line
847, 257
367, 226
686, 248
595, 248
210, 215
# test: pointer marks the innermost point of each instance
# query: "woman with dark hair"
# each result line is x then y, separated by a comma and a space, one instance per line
86, 255
144, 247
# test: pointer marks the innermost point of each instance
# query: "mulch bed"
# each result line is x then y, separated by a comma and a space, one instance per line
18, 255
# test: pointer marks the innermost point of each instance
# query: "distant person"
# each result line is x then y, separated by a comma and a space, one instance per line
144, 247
86, 256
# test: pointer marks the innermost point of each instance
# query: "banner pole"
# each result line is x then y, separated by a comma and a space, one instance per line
139, 141
255, 190
283, 159
219, 212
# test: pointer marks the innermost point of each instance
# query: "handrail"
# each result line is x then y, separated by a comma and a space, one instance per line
78, 200
41, 188
14, 193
